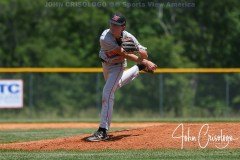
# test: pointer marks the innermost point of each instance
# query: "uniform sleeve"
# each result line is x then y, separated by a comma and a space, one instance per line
107, 44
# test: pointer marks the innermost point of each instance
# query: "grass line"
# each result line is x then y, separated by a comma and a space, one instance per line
96, 120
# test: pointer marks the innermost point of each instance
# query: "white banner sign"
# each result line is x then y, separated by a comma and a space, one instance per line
11, 93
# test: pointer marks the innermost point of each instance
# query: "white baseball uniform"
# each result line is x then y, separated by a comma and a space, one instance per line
114, 73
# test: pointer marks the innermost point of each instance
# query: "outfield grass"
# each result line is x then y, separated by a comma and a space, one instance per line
121, 155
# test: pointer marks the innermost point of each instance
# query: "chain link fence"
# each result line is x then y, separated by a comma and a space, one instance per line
149, 95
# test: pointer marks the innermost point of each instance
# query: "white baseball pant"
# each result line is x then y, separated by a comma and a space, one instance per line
115, 77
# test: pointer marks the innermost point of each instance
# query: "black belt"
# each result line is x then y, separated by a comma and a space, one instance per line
103, 61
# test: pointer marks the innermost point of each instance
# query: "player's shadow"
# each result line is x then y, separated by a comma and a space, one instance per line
119, 137
115, 138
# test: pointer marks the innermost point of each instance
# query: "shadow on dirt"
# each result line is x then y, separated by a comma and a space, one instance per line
115, 138
119, 137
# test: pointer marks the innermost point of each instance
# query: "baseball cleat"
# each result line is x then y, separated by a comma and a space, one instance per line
98, 136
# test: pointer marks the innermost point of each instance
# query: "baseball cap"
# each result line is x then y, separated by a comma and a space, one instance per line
118, 19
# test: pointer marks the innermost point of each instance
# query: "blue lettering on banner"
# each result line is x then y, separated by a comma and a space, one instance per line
2, 88
12, 88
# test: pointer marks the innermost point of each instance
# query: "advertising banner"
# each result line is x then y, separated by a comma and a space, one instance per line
11, 93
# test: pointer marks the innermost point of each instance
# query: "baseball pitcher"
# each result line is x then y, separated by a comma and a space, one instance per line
118, 46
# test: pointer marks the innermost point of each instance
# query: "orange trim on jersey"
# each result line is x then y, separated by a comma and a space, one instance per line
111, 54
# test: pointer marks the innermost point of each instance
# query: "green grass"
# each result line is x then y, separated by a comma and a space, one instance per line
8, 136
121, 155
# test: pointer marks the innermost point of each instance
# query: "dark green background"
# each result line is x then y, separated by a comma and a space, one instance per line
53, 34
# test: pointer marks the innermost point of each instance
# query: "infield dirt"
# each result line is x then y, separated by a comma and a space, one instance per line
138, 136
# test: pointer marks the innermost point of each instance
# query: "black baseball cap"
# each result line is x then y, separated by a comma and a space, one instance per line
118, 19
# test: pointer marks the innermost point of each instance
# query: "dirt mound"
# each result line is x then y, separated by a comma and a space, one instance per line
166, 135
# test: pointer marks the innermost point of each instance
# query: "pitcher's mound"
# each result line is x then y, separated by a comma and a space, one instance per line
164, 136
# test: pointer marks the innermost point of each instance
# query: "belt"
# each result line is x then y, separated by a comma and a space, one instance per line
103, 61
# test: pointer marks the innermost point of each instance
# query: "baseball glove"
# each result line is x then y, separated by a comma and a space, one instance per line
129, 45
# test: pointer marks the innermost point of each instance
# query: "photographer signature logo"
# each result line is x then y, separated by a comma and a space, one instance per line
203, 138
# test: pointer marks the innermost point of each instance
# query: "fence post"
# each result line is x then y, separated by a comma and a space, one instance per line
227, 94
161, 94
30, 101
98, 93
